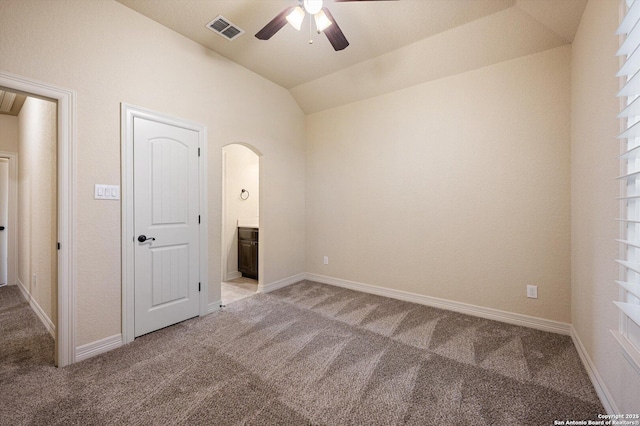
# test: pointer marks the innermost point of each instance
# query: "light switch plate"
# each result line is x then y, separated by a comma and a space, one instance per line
106, 192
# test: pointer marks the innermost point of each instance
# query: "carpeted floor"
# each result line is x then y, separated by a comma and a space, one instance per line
307, 354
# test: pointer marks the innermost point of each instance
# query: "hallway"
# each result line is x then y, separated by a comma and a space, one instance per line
25, 342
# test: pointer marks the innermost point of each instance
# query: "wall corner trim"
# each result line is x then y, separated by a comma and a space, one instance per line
599, 385
98, 347
450, 305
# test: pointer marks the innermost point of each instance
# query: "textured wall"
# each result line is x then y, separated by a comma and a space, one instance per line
37, 203
594, 167
110, 54
457, 188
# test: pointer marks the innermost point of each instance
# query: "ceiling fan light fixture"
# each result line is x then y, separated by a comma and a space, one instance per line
322, 21
312, 6
296, 17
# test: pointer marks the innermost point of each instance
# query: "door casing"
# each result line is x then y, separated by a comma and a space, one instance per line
65, 342
128, 113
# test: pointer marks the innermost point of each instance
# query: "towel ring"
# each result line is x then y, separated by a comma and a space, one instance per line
242, 194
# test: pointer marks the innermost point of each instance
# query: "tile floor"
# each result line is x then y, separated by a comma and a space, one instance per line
238, 289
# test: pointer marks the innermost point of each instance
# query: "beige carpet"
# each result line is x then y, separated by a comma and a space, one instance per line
309, 354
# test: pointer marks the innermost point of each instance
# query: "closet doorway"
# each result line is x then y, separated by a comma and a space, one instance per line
241, 249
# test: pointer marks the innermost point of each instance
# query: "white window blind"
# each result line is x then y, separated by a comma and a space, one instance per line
628, 333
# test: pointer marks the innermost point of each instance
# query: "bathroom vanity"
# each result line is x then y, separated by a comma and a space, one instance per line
248, 251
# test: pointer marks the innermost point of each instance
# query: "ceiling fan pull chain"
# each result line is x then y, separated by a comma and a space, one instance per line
310, 31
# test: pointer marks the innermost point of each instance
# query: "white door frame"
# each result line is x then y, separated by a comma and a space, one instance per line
66, 151
128, 113
12, 220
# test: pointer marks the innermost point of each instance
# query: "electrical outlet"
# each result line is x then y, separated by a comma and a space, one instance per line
532, 291
325, 260
33, 280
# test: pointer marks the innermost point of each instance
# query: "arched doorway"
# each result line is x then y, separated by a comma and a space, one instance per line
241, 197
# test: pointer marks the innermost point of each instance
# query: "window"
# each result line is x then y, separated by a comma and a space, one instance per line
628, 333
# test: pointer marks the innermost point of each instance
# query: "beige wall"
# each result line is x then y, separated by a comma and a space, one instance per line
242, 169
457, 188
110, 54
594, 149
8, 133
37, 209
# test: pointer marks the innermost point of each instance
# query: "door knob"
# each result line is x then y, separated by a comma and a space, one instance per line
143, 238
1, 228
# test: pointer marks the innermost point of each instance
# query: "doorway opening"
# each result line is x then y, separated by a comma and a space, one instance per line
29, 218
241, 199
65, 196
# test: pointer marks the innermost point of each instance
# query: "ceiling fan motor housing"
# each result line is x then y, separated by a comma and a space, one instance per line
312, 6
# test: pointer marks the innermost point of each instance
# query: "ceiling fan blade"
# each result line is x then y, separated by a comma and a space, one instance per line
274, 26
334, 33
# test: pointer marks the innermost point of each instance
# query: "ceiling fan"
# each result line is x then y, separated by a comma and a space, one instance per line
294, 15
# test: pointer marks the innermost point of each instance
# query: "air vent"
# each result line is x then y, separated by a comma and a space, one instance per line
6, 101
224, 28
11, 103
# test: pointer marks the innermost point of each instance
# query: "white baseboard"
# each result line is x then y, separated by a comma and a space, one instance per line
232, 275
98, 347
50, 326
214, 307
46, 321
281, 283
450, 305
23, 290
601, 389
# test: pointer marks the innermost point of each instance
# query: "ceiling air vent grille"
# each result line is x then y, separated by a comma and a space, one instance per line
224, 28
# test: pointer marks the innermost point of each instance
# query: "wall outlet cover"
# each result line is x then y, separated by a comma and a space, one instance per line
532, 291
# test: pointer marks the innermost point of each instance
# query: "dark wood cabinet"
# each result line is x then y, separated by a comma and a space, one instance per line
248, 252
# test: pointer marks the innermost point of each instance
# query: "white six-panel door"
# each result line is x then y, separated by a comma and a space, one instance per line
166, 221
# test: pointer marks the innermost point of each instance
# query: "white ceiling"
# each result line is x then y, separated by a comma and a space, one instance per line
393, 44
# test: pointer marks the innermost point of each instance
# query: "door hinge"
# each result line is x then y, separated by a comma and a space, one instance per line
199, 287
198, 218
198, 152
58, 246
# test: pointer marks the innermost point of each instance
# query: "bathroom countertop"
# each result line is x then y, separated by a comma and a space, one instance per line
248, 223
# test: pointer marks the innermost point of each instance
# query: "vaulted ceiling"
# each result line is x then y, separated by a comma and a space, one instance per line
393, 44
